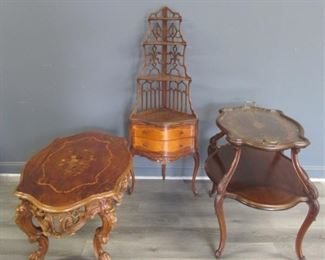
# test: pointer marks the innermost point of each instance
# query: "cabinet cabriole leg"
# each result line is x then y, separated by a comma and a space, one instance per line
163, 171
196, 158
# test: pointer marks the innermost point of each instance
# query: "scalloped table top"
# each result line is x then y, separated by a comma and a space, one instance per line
262, 128
74, 170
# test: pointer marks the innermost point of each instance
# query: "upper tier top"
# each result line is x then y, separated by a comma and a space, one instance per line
266, 129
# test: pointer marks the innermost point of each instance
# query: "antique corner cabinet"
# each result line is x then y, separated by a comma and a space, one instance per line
163, 124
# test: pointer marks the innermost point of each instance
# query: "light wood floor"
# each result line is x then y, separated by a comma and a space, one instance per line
162, 220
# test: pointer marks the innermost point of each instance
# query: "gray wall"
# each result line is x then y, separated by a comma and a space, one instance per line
70, 66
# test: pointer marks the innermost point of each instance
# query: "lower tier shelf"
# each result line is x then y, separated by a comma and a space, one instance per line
264, 180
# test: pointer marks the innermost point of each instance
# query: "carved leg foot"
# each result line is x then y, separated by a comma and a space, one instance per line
311, 216
218, 205
101, 236
24, 218
218, 202
131, 186
213, 190
196, 158
312, 194
163, 171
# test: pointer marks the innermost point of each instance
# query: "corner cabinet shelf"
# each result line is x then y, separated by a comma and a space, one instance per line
252, 168
163, 125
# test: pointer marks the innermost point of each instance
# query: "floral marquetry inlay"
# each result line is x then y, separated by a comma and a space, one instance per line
74, 164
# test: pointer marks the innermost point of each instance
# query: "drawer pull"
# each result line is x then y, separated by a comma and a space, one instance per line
181, 132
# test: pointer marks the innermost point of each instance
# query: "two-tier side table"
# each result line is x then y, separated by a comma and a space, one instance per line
70, 181
252, 168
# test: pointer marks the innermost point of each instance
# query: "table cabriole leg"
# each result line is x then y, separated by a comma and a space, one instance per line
211, 149
312, 202
108, 219
213, 143
221, 190
131, 187
214, 185
24, 219
196, 158
213, 189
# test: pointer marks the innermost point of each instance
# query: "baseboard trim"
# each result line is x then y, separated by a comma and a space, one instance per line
179, 178
174, 172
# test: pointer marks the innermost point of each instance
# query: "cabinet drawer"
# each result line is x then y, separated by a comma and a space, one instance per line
155, 133
163, 146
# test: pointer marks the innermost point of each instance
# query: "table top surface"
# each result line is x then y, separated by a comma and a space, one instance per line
262, 128
75, 170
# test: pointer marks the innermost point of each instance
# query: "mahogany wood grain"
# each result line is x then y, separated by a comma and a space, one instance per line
163, 125
262, 179
252, 168
165, 134
70, 181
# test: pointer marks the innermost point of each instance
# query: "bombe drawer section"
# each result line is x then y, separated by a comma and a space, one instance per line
163, 146
157, 133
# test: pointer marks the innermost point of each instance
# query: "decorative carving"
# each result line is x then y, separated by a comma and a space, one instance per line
58, 224
108, 217
24, 219
95, 159
163, 95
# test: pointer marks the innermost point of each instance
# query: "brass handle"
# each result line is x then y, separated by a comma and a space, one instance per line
271, 142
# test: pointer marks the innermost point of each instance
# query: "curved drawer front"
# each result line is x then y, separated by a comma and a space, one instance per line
163, 146
156, 133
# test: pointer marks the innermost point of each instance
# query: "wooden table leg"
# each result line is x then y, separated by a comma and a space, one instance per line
213, 189
131, 187
108, 218
212, 149
163, 170
196, 158
312, 202
24, 218
218, 204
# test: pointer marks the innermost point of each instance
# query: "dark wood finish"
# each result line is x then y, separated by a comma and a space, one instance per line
70, 181
261, 128
163, 124
252, 168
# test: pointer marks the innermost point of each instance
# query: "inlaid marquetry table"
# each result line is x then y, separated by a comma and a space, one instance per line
69, 182
252, 168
